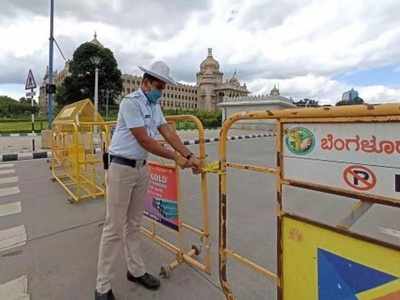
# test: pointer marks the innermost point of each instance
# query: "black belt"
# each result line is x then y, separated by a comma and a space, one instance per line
125, 161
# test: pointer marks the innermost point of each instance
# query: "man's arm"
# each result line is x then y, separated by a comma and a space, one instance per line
174, 140
154, 147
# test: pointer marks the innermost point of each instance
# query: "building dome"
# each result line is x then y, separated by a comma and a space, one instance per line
209, 63
234, 80
95, 41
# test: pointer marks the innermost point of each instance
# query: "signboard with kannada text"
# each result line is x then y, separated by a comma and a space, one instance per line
361, 157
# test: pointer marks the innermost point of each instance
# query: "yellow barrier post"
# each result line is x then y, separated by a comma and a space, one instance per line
289, 234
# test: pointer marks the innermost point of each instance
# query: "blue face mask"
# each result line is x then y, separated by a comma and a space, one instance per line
154, 96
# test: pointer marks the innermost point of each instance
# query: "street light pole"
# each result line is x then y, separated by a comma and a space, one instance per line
107, 96
96, 61
51, 40
96, 90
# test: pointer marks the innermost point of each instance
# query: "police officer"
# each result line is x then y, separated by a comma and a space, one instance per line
139, 120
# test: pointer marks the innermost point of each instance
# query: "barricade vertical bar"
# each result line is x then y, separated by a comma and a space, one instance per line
222, 215
204, 199
279, 173
76, 161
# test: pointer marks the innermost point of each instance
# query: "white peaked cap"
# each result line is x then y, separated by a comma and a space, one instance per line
159, 70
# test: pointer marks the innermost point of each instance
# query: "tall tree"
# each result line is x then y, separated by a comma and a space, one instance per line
306, 102
80, 84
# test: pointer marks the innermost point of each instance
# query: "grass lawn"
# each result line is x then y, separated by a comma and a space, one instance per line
21, 126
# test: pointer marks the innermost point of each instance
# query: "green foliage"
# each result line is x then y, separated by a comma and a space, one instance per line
209, 119
80, 84
307, 103
11, 108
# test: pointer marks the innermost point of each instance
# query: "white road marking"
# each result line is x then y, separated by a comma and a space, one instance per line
390, 231
6, 166
12, 237
8, 180
9, 191
7, 172
10, 209
16, 289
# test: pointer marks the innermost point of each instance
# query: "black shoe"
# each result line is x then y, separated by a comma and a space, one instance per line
107, 296
147, 280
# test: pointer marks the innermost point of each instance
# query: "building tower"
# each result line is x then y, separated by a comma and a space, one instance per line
208, 79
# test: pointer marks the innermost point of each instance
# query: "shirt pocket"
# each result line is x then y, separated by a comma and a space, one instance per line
148, 123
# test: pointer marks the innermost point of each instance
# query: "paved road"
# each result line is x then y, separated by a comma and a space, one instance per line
59, 258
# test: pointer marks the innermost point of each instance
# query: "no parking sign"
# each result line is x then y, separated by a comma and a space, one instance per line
359, 177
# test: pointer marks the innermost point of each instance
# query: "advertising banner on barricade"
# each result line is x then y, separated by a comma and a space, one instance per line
360, 157
162, 197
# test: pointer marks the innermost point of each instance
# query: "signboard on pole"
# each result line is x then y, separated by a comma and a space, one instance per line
161, 203
320, 263
30, 81
360, 157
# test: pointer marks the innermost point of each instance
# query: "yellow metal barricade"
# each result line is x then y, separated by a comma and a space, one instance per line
183, 255
316, 260
76, 163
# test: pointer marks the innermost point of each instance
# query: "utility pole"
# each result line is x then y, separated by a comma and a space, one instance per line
50, 90
33, 120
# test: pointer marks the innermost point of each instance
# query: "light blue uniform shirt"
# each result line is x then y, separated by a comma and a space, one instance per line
135, 111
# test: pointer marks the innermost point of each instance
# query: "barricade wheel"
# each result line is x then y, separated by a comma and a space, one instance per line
197, 249
53, 179
71, 201
165, 271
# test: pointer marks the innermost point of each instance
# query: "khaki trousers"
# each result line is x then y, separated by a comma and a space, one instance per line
126, 192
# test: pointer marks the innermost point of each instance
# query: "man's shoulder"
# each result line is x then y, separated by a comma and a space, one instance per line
132, 98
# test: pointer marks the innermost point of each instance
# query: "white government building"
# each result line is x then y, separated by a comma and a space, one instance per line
273, 101
211, 91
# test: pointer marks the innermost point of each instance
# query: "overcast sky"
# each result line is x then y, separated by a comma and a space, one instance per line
316, 49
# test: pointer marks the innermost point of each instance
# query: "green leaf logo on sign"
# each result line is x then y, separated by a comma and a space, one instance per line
300, 140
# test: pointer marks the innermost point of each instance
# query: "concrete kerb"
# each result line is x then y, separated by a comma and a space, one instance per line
19, 134
47, 154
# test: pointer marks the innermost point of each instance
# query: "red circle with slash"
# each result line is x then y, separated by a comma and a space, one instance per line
359, 177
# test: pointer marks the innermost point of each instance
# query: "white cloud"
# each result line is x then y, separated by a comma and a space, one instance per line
300, 44
326, 90
380, 94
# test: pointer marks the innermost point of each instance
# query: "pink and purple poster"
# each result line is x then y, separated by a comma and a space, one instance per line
162, 196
